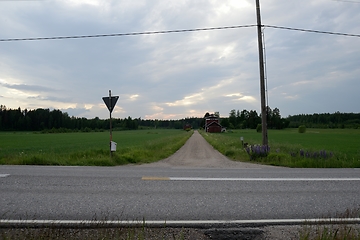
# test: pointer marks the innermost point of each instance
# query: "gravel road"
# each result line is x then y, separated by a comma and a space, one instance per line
198, 153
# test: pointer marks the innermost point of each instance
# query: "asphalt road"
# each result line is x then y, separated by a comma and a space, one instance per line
175, 193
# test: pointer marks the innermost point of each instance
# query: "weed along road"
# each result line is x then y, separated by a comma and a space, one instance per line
196, 183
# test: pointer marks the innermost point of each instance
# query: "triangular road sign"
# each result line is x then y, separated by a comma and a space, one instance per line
113, 102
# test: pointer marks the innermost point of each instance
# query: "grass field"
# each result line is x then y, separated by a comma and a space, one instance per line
142, 146
344, 144
92, 148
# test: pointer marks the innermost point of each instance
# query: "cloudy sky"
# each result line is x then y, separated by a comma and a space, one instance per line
177, 75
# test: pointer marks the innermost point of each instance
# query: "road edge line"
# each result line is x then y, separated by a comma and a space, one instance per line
9, 223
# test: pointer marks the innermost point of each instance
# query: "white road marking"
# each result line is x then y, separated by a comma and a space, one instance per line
245, 179
4, 175
4, 222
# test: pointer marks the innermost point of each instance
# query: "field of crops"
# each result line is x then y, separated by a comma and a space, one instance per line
89, 148
315, 148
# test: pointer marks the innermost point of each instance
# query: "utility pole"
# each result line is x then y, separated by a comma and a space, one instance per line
262, 77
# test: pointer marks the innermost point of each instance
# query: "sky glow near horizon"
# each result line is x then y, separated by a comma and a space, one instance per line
178, 75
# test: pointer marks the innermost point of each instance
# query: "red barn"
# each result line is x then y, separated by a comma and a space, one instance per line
187, 126
212, 124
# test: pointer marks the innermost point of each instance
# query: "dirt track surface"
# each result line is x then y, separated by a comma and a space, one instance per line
197, 152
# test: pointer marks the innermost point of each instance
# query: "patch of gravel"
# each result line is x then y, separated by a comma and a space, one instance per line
282, 232
266, 233
102, 233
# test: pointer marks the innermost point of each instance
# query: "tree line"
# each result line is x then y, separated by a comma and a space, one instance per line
251, 119
58, 121
326, 120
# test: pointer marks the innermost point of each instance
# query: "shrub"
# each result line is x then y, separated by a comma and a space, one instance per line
259, 128
302, 129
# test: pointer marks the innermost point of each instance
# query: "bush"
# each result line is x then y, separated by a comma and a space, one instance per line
259, 128
302, 129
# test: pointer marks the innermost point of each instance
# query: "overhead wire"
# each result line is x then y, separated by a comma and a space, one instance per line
313, 31
348, 1
174, 31
127, 34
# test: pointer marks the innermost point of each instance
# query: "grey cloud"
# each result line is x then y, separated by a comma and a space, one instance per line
27, 88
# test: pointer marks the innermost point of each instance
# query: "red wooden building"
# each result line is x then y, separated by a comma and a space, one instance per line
212, 124
187, 126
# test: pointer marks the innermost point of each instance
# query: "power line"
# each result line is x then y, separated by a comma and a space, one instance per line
174, 31
126, 34
348, 1
313, 31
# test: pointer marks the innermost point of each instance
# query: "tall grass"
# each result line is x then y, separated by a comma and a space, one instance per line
335, 231
286, 146
89, 149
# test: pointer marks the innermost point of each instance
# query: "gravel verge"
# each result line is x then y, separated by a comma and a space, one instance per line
269, 233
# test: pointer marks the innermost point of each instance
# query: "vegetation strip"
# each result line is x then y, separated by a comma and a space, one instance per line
245, 179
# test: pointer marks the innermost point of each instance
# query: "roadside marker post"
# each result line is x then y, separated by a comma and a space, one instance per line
110, 102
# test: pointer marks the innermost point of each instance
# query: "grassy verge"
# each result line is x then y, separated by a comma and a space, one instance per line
330, 232
336, 231
292, 149
89, 149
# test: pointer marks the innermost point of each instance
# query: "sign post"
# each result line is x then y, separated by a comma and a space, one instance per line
110, 102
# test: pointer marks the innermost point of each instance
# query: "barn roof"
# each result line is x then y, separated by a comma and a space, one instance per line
212, 123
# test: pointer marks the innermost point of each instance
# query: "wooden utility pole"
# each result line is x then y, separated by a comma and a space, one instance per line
262, 77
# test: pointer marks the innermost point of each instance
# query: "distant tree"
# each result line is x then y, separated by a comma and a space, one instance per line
225, 122
232, 118
302, 129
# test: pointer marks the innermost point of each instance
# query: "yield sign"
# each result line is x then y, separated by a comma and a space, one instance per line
110, 102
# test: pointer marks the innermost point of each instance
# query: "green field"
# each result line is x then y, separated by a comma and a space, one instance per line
140, 146
144, 146
344, 144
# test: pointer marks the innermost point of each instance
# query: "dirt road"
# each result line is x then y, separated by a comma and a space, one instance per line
197, 152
